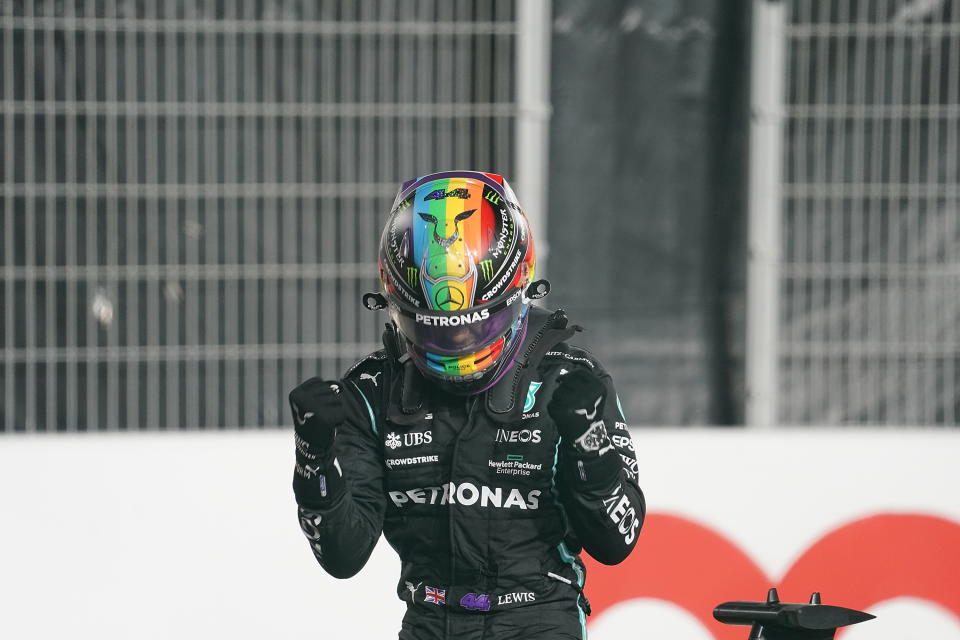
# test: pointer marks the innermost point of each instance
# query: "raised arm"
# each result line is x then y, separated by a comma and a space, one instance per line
598, 483
338, 478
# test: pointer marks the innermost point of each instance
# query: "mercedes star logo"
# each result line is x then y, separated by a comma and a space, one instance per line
449, 298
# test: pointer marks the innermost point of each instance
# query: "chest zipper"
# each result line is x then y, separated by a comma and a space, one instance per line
469, 405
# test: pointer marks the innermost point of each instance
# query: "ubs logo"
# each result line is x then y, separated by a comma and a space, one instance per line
518, 435
412, 439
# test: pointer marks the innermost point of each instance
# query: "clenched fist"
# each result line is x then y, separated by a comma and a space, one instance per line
577, 409
317, 410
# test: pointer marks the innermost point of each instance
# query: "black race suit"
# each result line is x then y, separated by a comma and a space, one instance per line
487, 509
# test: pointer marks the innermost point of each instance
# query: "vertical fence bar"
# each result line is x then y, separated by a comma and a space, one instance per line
368, 201
189, 228
838, 214
29, 224
910, 284
111, 52
504, 152
156, 385
51, 135
330, 150
766, 137
209, 232
174, 153
533, 116
232, 221
951, 175
875, 203
462, 83
250, 208
345, 206
444, 50
485, 72
307, 246
9, 404
70, 240
270, 214
936, 291
91, 217
803, 245
424, 144
289, 285
857, 373
818, 394
894, 378
134, 207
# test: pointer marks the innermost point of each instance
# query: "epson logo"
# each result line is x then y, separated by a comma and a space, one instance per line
518, 435
453, 321
622, 442
468, 494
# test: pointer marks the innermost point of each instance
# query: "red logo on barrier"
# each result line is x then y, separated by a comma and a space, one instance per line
856, 566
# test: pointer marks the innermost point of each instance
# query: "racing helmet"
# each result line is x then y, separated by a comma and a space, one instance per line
456, 257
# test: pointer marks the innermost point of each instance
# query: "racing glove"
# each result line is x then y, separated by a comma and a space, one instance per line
317, 410
577, 409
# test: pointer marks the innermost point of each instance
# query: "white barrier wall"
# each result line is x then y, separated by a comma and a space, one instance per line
195, 535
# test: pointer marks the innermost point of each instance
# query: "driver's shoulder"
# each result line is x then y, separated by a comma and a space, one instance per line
369, 368
565, 356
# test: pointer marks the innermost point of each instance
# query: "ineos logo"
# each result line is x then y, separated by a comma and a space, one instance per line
519, 435
449, 298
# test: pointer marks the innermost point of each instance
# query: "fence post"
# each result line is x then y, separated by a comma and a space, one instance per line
765, 210
533, 116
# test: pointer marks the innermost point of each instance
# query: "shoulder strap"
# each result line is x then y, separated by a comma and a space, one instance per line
405, 395
545, 330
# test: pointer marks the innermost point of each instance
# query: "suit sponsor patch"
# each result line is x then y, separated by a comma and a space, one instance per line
518, 435
468, 495
510, 467
410, 461
621, 512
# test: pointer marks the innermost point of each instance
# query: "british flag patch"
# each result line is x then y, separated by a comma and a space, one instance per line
436, 596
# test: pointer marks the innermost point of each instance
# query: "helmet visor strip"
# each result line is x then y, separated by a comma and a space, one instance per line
453, 367
458, 333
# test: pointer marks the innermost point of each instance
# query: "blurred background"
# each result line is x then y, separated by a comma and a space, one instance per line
753, 207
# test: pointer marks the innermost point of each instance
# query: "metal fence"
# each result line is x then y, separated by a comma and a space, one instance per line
870, 269
193, 192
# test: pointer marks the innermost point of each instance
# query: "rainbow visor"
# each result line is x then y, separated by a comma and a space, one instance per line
458, 333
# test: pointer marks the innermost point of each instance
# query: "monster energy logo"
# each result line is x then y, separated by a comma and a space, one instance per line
492, 197
486, 269
412, 276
